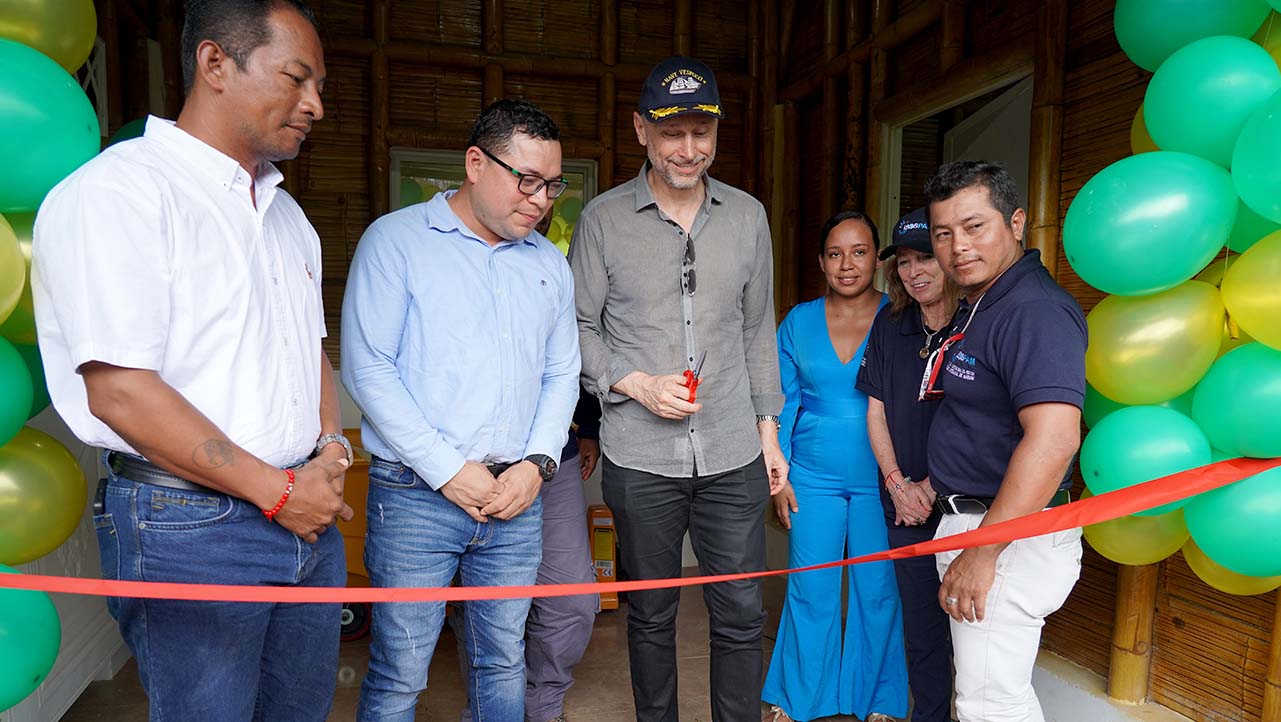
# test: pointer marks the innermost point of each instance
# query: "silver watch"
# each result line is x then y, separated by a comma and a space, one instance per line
768, 417
327, 439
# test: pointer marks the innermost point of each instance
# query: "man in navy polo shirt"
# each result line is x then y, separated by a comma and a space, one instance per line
1012, 379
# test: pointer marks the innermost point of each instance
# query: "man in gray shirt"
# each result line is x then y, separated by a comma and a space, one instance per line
648, 312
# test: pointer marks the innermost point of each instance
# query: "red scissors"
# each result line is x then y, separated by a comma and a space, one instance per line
691, 378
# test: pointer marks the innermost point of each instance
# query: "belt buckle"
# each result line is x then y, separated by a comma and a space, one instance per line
966, 507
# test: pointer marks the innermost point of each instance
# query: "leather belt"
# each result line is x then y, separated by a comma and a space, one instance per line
961, 504
497, 469
136, 468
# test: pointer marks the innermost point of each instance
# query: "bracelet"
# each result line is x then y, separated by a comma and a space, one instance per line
289, 489
889, 479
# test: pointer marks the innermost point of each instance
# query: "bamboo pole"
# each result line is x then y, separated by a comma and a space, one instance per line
751, 114
790, 188
855, 114
491, 23
1131, 664
491, 87
684, 22
1272, 683
829, 184
768, 189
889, 36
878, 131
379, 111
169, 33
110, 31
1047, 132
608, 93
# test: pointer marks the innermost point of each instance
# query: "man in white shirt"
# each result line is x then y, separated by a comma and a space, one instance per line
177, 295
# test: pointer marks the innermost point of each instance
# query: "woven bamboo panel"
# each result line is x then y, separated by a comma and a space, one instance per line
922, 155
805, 51
916, 61
439, 22
646, 31
348, 18
989, 24
1211, 648
346, 96
571, 102
552, 29
720, 36
445, 102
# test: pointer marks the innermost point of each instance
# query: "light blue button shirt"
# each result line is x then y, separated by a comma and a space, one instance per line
456, 350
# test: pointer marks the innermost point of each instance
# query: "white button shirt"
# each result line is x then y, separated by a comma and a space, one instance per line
153, 256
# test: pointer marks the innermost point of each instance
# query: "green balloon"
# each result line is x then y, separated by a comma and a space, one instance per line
1236, 402
1249, 228
570, 208
35, 367
1239, 525
15, 400
410, 192
48, 128
1138, 444
133, 129
1149, 222
1201, 97
30, 634
1256, 160
1149, 31
1098, 406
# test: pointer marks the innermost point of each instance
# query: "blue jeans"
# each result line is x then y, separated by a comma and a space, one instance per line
221, 661
418, 538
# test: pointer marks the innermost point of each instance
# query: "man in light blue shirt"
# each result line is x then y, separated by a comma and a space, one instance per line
459, 345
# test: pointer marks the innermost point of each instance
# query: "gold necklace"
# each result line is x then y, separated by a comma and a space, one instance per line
929, 337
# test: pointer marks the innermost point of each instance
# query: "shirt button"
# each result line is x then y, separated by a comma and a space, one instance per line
691, 431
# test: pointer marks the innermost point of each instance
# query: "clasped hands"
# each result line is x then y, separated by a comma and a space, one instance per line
479, 493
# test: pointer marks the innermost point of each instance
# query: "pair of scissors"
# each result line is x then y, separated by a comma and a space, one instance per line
691, 377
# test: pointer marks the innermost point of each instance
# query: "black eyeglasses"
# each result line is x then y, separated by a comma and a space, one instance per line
530, 184
689, 279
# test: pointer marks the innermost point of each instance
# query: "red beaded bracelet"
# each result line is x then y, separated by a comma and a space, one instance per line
289, 489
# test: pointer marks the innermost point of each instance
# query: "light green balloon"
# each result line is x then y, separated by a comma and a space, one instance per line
1249, 228
1138, 444
1256, 160
1236, 402
15, 392
1239, 525
48, 128
1149, 31
39, 387
1201, 97
30, 634
1149, 222
1098, 406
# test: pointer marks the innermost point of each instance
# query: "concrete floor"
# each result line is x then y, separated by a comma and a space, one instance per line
601, 693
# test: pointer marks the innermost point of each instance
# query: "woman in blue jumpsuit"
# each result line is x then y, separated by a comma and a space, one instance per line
832, 504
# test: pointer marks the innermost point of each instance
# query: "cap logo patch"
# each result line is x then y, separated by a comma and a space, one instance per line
683, 81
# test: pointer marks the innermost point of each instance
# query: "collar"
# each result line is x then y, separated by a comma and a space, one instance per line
206, 159
645, 196
441, 217
1028, 264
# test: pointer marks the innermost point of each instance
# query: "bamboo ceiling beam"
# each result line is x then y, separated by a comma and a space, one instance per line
379, 114
1272, 683
475, 60
891, 36
966, 80
1130, 668
1047, 132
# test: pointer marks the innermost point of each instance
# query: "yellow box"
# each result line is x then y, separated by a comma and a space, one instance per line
600, 525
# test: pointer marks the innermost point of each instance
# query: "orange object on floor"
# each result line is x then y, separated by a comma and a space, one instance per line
600, 525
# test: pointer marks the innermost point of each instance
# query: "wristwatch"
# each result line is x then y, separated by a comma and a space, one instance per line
327, 439
546, 465
767, 417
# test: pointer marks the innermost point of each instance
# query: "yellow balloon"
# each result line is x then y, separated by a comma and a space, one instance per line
1269, 36
1137, 540
1233, 336
1252, 291
13, 270
42, 496
1148, 349
1225, 580
20, 325
1140, 141
62, 29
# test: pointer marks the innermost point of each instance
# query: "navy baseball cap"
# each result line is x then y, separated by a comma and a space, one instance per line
912, 231
679, 85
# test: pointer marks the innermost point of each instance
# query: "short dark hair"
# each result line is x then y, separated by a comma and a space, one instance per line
840, 218
952, 178
502, 119
238, 26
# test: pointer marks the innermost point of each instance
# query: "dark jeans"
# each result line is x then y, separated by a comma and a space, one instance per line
221, 661
926, 632
724, 515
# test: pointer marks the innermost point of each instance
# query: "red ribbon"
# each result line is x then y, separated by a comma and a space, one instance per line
1104, 507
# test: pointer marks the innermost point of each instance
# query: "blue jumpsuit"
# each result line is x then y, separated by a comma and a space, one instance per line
816, 671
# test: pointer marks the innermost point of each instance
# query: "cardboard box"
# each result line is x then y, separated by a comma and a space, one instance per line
600, 525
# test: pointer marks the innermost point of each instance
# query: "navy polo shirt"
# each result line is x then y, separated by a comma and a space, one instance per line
1025, 346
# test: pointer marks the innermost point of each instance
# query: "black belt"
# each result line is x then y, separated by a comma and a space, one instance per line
497, 469
134, 468
961, 504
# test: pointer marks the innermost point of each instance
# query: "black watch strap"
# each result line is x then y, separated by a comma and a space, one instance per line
546, 465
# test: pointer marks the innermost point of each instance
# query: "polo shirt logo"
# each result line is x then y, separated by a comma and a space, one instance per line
961, 365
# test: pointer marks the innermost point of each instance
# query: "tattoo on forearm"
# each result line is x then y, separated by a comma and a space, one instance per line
214, 454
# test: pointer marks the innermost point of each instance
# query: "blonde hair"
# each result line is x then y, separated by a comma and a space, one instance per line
901, 300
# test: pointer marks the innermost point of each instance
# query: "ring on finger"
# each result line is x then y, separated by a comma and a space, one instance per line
951, 601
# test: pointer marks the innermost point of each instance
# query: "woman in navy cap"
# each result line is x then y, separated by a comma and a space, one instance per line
832, 505
922, 302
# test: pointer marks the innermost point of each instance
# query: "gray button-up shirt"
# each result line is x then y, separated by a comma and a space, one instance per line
634, 315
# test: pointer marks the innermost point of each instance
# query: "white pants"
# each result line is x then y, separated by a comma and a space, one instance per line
994, 658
